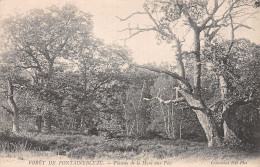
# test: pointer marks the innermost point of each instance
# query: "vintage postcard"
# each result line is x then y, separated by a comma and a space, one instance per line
129, 83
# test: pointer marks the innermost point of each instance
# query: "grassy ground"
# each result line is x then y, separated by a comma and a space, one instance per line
79, 147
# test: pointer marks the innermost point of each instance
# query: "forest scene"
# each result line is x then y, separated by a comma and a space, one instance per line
66, 93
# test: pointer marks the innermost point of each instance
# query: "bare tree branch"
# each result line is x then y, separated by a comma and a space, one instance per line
128, 17
138, 30
192, 23
30, 54
232, 35
216, 7
154, 21
204, 110
164, 71
221, 22
242, 25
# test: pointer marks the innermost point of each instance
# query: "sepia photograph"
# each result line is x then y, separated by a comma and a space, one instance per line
120, 83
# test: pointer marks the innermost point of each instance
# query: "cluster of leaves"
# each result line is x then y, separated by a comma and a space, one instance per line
239, 66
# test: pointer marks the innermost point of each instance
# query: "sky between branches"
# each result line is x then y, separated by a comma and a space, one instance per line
106, 26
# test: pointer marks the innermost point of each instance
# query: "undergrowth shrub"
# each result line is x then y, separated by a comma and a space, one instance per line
85, 152
80, 146
75, 138
13, 143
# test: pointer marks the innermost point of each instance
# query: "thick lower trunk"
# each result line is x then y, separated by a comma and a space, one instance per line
229, 134
15, 120
228, 114
13, 106
206, 120
209, 126
230, 126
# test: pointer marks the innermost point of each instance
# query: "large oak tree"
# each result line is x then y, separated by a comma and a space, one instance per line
204, 21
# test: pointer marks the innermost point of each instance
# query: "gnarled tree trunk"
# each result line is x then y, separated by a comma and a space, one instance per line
230, 125
209, 126
228, 114
13, 106
206, 120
